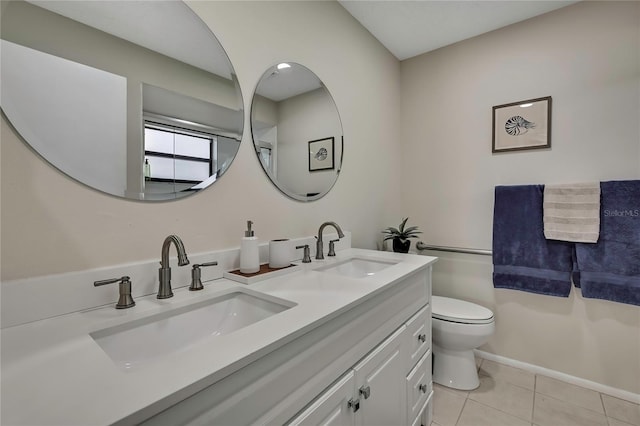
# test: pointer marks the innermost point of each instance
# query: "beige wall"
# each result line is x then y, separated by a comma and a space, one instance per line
51, 224
303, 118
587, 57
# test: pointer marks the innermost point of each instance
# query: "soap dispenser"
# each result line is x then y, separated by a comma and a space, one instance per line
249, 252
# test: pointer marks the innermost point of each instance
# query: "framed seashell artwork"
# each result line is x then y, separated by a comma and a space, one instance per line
522, 125
321, 154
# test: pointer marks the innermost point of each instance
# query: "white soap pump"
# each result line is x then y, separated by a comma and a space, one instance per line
249, 252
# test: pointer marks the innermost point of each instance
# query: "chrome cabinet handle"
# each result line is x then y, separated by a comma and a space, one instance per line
365, 391
422, 337
423, 388
354, 404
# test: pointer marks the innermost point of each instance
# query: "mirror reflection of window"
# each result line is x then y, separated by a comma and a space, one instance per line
177, 155
265, 157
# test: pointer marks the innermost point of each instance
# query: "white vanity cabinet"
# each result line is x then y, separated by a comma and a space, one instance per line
379, 380
418, 381
375, 393
386, 387
368, 365
335, 407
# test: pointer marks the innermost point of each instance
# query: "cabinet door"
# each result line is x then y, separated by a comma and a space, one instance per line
380, 382
332, 407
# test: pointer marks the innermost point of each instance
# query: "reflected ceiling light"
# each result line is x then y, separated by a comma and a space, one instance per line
283, 65
525, 105
190, 123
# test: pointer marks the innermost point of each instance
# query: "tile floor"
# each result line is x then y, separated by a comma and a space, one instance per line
510, 396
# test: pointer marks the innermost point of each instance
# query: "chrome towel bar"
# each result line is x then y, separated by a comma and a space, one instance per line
422, 246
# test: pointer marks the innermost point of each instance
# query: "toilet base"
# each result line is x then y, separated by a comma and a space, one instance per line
455, 369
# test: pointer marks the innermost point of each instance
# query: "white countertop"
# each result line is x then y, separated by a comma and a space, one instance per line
53, 372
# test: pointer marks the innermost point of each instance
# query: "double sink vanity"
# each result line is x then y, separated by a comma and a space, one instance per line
345, 340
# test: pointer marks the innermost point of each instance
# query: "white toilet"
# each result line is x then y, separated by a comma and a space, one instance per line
458, 328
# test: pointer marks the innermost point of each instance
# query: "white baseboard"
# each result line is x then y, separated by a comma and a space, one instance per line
588, 384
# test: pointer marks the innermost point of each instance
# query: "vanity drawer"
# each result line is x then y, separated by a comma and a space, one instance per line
425, 416
427, 413
419, 331
419, 386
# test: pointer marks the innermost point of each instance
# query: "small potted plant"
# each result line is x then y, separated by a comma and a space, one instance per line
401, 236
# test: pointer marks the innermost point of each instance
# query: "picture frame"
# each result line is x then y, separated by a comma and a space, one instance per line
523, 125
321, 154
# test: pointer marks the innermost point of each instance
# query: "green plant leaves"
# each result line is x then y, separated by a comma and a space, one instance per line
401, 232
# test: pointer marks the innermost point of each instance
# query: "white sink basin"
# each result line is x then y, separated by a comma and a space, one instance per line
357, 267
134, 343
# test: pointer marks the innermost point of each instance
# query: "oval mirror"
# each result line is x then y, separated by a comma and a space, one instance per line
133, 98
297, 131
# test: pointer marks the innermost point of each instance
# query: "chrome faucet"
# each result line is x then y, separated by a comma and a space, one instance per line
164, 290
319, 245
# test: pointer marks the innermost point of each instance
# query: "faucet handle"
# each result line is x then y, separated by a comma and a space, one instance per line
306, 254
332, 247
196, 282
125, 300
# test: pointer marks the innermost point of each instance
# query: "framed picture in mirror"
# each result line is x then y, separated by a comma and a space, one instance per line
522, 125
321, 156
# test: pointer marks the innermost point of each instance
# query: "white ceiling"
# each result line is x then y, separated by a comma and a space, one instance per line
282, 84
410, 28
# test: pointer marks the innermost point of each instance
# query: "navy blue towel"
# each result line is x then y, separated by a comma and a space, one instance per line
610, 269
522, 258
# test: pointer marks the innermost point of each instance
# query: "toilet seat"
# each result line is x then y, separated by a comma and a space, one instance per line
459, 311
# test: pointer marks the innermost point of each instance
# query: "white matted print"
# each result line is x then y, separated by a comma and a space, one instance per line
522, 125
321, 154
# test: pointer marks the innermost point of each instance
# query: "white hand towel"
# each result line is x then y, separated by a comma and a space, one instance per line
572, 212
